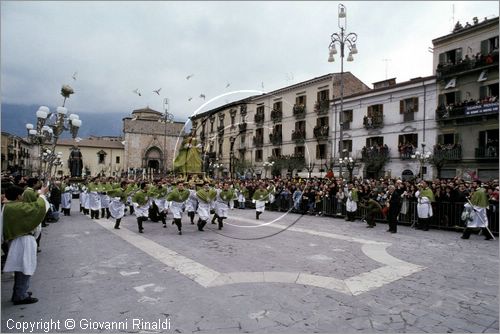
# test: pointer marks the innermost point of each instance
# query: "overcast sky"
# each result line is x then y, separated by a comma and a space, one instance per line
117, 47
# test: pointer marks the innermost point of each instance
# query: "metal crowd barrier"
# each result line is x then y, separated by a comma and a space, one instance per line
446, 215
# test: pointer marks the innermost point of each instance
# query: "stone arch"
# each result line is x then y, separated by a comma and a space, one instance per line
154, 158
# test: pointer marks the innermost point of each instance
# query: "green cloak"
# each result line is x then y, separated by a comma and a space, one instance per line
479, 198
260, 195
178, 196
206, 196
427, 192
140, 198
227, 195
20, 218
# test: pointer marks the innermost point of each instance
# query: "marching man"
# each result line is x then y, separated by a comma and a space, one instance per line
177, 197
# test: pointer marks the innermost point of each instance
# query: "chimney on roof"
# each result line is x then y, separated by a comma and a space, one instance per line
384, 83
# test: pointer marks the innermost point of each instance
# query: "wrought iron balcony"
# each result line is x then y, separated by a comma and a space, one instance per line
322, 107
446, 71
258, 141
299, 111
373, 122
321, 132
276, 115
374, 153
299, 136
220, 130
275, 138
487, 153
242, 127
448, 153
467, 111
259, 118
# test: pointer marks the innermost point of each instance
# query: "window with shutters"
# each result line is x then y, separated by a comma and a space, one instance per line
347, 147
258, 155
276, 152
451, 98
488, 91
451, 57
374, 117
488, 45
299, 151
408, 107
321, 151
347, 119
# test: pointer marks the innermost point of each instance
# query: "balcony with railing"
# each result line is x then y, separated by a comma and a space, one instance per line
258, 141
299, 111
242, 147
373, 122
467, 110
322, 107
259, 118
448, 152
374, 152
276, 138
464, 66
299, 136
406, 151
242, 127
487, 153
276, 115
321, 132
220, 130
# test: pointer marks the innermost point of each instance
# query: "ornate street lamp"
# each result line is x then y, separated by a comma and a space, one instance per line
343, 39
349, 163
423, 157
47, 135
266, 166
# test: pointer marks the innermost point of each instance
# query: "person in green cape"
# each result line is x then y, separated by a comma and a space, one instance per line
177, 197
224, 196
21, 216
140, 202
477, 205
260, 198
205, 196
425, 198
117, 203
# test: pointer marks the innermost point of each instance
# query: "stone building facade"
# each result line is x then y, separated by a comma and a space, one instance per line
150, 143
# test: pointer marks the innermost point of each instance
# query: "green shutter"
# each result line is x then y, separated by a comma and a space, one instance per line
440, 139
442, 58
456, 139
401, 107
485, 47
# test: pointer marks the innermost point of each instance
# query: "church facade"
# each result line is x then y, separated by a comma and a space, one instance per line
150, 142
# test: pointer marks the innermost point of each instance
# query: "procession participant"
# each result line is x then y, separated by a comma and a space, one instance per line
425, 197
218, 186
205, 197
242, 192
117, 203
140, 202
66, 200
192, 202
372, 209
130, 191
94, 201
477, 205
161, 204
21, 220
351, 193
224, 196
177, 197
82, 197
260, 198
103, 193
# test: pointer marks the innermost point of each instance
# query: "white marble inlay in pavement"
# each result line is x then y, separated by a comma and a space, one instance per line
392, 270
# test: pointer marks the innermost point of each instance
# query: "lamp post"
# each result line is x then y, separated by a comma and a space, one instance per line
47, 135
266, 166
167, 118
343, 39
349, 163
423, 157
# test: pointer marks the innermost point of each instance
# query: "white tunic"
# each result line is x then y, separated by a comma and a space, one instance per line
260, 206
203, 210
424, 207
192, 201
22, 250
176, 208
94, 201
161, 203
116, 208
105, 199
66, 200
350, 205
478, 214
